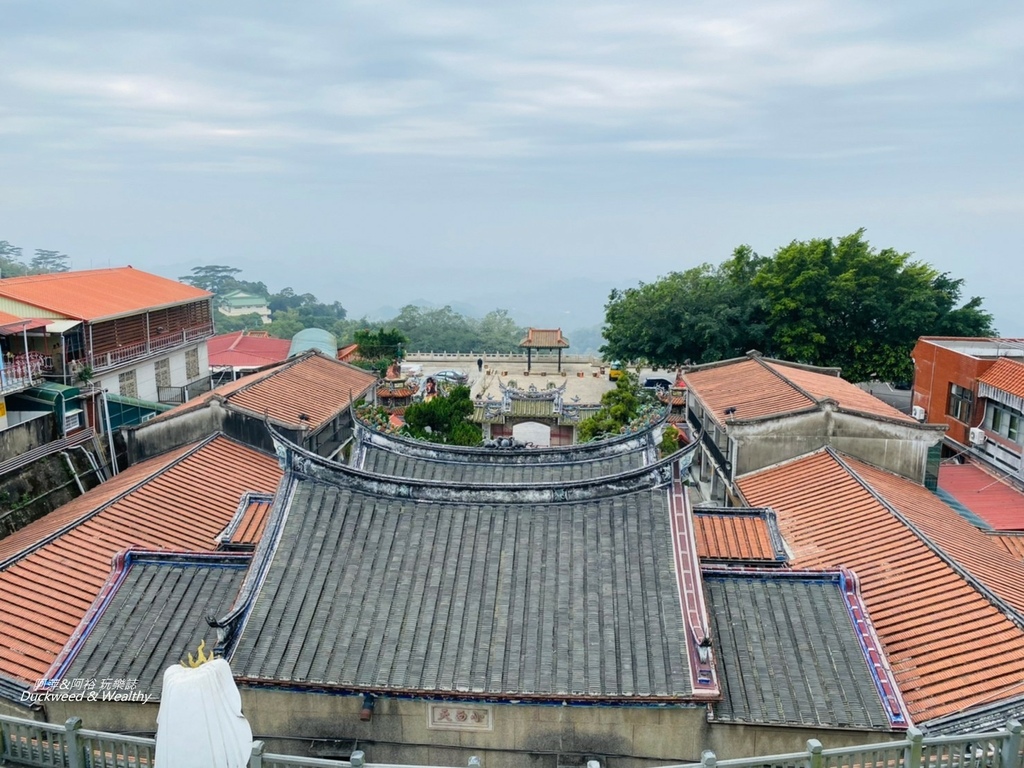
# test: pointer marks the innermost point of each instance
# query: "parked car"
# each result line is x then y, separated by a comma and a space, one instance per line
451, 376
654, 382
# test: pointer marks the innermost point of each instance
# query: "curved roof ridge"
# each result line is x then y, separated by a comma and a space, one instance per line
609, 447
307, 463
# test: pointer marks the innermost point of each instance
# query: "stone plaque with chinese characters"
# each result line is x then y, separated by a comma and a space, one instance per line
460, 717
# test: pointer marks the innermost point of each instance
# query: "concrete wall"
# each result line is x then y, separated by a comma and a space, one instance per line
520, 734
898, 447
27, 435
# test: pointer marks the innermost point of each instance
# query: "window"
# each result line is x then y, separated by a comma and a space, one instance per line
127, 384
1003, 421
192, 364
960, 401
163, 373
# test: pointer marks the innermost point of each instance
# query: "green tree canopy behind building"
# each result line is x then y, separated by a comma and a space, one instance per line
831, 302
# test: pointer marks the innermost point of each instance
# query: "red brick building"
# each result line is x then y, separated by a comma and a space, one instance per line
975, 386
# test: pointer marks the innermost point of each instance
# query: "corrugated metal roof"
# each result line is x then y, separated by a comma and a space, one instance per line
735, 535
543, 338
181, 500
758, 388
997, 503
240, 350
1006, 375
311, 384
96, 294
950, 647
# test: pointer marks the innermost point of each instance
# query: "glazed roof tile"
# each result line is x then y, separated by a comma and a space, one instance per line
738, 535
543, 338
951, 646
567, 600
997, 504
99, 294
759, 388
1005, 375
816, 675
240, 350
178, 501
311, 384
122, 639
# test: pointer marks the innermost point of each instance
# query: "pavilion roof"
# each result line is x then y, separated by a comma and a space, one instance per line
544, 338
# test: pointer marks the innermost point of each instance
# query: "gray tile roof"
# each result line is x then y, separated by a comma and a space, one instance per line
395, 464
788, 652
517, 600
156, 617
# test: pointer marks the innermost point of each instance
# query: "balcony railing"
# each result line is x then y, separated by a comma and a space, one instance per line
31, 743
143, 349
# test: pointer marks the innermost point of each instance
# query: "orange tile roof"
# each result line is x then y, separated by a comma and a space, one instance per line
179, 501
1011, 543
310, 384
950, 647
540, 338
248, 526
348, 353
747, 385
98, 294
759, 388
733, 534
1005, 375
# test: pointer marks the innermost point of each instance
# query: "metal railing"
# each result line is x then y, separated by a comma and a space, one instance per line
141, 349
997, 749
33, 743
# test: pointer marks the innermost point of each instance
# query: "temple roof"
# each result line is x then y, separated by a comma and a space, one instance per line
738, 536
551, 601
380, 453
791, 652
541, 338
119, 639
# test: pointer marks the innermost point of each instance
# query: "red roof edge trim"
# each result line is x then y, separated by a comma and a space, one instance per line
871, 645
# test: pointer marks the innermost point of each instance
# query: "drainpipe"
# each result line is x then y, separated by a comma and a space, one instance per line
74, 473
92, 462
110, 432
60, 413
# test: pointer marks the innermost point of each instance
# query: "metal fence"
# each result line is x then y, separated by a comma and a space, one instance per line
32, 743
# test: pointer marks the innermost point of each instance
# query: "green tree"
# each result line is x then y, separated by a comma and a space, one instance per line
703, 314
842, 303
231, 323
380, 344
619, 406
497, 332
11, 264
45, 262
284, 325
444, 419
215, 278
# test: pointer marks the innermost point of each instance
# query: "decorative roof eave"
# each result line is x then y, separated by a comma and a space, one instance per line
297, 460
829, 404
483, 697
596, 449
871, 646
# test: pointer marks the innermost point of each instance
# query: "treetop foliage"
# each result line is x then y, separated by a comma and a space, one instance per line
827, 302
44, 261
443, 419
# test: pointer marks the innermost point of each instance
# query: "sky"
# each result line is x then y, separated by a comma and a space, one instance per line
530, 156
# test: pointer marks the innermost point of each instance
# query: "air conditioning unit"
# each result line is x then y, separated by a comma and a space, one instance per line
917, 412
977, 436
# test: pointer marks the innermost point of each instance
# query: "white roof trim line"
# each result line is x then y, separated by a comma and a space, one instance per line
60, 326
